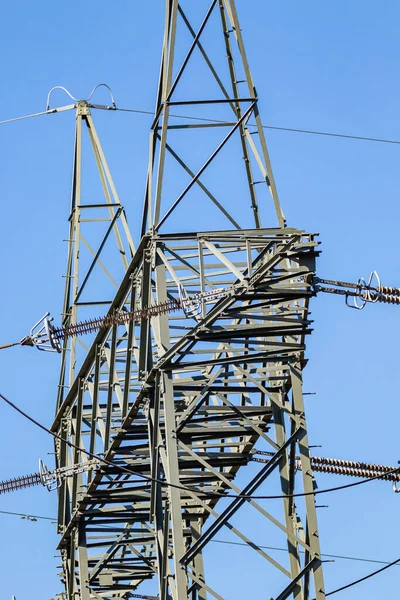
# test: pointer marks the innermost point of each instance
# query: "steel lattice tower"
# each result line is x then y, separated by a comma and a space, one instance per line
185, 400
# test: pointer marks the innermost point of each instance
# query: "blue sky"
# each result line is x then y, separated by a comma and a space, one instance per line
320, 66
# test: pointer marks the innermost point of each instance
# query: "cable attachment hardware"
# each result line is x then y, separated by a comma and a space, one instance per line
45, 336
396, 487
42, 336
114, 106
52, 479
62, 88
357, 295
191, 305
366, 292
58, 87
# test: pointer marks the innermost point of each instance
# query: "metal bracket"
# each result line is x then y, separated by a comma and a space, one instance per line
191, 305
52, 480
364, 292
42, 337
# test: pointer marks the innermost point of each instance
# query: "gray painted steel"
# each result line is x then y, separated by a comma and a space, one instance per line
183, 400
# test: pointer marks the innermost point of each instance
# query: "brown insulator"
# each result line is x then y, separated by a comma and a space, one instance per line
385, 289
116, 318
19, 483
389, 298
316, 460
356, 471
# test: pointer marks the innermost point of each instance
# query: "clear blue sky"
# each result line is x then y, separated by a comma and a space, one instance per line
317, 65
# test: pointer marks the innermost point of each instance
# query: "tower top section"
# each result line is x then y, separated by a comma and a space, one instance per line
208, 160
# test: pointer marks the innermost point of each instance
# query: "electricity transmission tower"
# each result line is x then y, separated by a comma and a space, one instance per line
179, 402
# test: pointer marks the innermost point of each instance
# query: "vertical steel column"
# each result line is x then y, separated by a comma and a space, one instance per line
157, 509
163, 109
308, 482
199, 591
238, 114
170, 453
287, 489
70, 309
269, 176
78, 278
83, 564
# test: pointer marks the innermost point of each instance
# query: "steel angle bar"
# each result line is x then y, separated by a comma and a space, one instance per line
83, 564
130, 356
202, 186
245, 116
202, 125
235, 88
103, 268
106, 178
229, 484
238, 502
238, 412
212, 101
285, 356
190, 52
202, 584
167, 65
221, 256
294, 583
196, 402
312, 527
230, 8
208, 508
101, 336
205, 55
99, 251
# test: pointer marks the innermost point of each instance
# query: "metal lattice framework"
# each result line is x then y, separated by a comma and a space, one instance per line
177, 404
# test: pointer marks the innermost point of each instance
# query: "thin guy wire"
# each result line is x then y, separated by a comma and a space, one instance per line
274, 127
181, 487
341, 557
39, 114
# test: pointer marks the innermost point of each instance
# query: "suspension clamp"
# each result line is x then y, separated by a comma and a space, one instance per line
52, 479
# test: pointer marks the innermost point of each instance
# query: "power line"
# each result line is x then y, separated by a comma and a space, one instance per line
181, 487
330, 134
349, 585
339, 556
26, 516
273, 127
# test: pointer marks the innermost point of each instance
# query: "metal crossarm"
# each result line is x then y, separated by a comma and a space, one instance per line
228, 379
